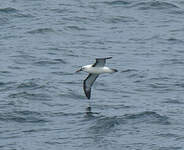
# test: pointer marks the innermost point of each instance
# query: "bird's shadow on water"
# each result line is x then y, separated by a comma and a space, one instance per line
89, 112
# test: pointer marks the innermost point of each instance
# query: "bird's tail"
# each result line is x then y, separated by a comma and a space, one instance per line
114, 70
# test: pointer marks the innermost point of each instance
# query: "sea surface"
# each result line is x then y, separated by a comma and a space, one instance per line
42, 103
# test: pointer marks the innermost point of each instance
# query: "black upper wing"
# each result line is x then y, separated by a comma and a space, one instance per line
100, 62
88, 82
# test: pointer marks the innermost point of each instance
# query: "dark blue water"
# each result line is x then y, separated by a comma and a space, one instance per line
42, 103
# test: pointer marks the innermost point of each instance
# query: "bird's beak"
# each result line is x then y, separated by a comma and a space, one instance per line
79, 70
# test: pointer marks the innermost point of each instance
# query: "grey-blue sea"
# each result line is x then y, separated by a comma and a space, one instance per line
42, 103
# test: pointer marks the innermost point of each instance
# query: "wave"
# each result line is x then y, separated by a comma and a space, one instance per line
117, 3
146, 5
30, 96
6, 86
104, 125
41, 31
8, 10
30, 84
50, 62
119, 19
75, 28
173, 101
172, 61
148, 117
154, 5
71, 94
22, 116
175, 41
60, 73
129, 70
14, 12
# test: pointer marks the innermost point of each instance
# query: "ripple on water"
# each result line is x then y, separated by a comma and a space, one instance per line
22, 116
8, 10
129, 70
60, 73
30, 96
75, 28
119, 19
30, 84
173, 101
117, 3
158, 5
175, 41
6, 86
41, 31
72, 95
50, 62
150, 117
102, 125
5, 73
172, 61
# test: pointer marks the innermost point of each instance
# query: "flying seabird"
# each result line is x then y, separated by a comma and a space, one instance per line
94, 71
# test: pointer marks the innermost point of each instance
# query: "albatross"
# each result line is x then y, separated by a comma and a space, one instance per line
94, 71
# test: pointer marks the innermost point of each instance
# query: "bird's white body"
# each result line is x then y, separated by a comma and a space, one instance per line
97, 70
94, 70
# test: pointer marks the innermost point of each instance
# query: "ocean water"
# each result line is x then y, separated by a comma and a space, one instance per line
42, 103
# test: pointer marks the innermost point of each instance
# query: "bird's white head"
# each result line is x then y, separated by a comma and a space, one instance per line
81, 69
84, 68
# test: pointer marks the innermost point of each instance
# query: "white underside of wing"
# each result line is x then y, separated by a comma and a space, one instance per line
98, 70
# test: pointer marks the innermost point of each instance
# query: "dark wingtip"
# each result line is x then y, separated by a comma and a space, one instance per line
88, 95
105, 58
108, 58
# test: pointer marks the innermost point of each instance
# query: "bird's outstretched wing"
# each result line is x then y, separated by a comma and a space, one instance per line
88, 82
100, 62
